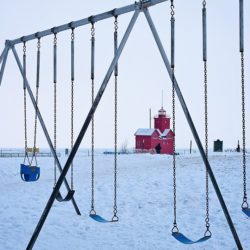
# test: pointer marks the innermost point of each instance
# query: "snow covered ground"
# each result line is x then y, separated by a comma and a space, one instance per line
144, 204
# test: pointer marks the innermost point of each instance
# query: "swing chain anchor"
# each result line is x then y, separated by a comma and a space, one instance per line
92, 211
71, 25
172, 13
115, 218
53, 30
245, 203
207, 233
91, 20
37, 35
113, 12
175, 229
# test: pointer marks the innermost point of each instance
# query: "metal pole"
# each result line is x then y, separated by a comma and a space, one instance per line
241, 3
43, 125
3, 64
82, 132
193, 129
204, 33
86, 21
3, 53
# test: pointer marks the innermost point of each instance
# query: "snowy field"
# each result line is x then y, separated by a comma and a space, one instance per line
145, 206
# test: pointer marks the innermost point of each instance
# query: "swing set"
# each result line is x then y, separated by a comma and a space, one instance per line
30, 171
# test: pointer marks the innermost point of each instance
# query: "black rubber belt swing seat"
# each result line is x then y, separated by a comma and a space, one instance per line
28, 171
92, 213
71, 192
244, 205
175, 230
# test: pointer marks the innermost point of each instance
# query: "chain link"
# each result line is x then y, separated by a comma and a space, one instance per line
72, 34
204, 3
172, 9
92, 30
115, 217
55, 39
245, 203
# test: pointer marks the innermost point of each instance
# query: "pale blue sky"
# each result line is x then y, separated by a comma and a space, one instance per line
142, 72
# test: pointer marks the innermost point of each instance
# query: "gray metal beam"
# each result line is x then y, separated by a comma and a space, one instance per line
82, 132
3, 64
85, 21
43, 125
193, 129
3, 53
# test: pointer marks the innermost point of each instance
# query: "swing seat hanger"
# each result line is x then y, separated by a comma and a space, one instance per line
245, 208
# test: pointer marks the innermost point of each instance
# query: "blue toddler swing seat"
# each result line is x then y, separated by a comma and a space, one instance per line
29, 173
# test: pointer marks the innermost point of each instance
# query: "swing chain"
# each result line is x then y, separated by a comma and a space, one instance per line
38, 43
72, 34
37, 93
55, 39
25, 106
115, 217
24, 48
72, 116
245, 203
207, 232
206, 110
172, 9
25, 100
93, 30
55, 109
175, 227
92, 211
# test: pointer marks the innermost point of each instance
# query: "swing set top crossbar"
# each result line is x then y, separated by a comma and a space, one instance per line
92, 19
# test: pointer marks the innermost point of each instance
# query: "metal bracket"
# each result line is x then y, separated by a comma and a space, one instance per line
8, 44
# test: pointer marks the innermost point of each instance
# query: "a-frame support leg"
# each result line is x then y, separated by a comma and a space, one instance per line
82, 132
43, 126
3, 53
3, 59
193, 129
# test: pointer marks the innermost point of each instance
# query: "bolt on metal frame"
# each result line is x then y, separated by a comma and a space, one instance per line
137, 8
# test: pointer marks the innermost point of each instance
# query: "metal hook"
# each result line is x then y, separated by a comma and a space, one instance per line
113, 13
71, 25
53, 30
90, 19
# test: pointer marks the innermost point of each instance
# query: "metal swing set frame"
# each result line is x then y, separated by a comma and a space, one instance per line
138, 7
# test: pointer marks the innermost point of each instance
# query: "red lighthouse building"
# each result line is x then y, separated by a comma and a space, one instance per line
159, 139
